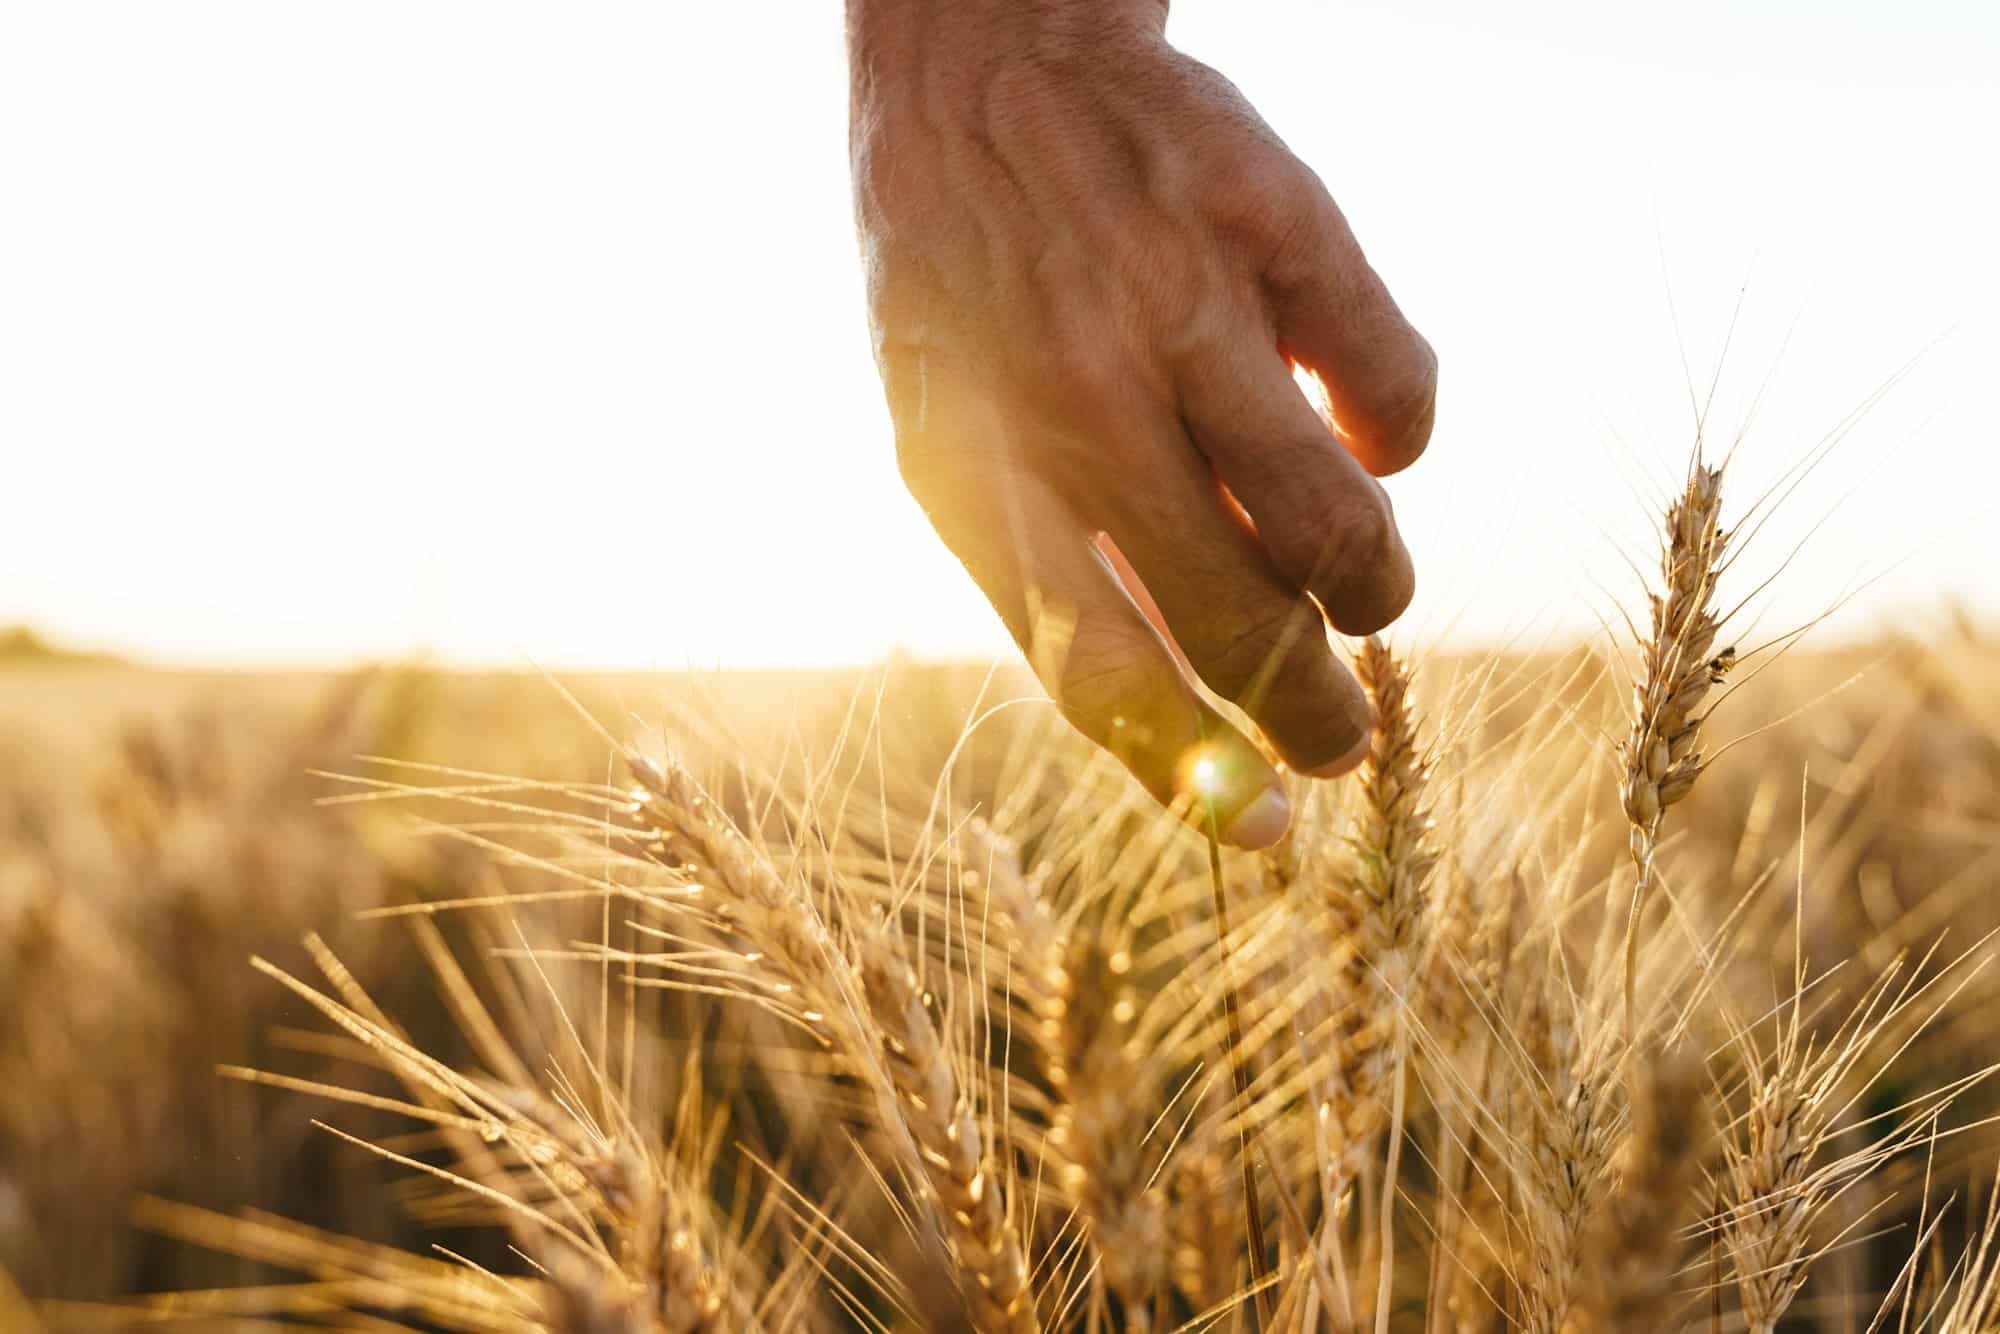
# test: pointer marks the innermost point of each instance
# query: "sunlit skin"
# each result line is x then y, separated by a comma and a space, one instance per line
1091, 271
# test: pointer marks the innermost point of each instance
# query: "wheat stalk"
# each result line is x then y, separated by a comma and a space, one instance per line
1475, 1227
1238, 1059
951, 1146
1637, 1252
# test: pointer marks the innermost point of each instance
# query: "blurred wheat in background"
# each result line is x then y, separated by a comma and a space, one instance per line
1633, 989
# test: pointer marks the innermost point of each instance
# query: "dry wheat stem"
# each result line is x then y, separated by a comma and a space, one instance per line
1239, 1075
1637, 1251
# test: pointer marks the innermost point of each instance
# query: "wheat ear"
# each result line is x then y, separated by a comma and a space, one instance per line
1374, 908
1662, 753
1079, 1006
890, 1033
1394, 860
1099, 1138
1567, 1118
671, 1286
1776, 1179
1207, 1199
950, 1143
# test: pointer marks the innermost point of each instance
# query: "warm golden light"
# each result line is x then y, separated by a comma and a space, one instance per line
1204, 774
1314, 389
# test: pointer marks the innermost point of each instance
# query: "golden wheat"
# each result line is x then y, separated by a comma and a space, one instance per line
925, 1028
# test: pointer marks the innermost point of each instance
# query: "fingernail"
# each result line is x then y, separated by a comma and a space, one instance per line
1261, 823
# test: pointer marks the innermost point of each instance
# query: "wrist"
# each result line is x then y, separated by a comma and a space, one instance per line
896, 41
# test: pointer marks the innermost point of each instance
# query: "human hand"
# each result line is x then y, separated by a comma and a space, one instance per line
1090, 266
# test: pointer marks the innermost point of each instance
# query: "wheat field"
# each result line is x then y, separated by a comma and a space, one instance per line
1643, 985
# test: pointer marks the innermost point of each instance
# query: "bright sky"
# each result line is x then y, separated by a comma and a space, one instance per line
534, 331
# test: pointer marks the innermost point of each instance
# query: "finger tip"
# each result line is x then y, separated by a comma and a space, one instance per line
1345, 763
1401, 444
1262, 822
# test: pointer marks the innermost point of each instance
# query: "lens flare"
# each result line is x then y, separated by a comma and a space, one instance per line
1204, 773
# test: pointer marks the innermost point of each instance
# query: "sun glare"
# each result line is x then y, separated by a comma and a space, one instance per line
1314, 389
1205, 775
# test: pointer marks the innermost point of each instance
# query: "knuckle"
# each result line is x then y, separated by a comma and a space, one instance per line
1365, 535
1363, 574
1090, 696
1282, 673
1357, 533
1101, 668
1265, 202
